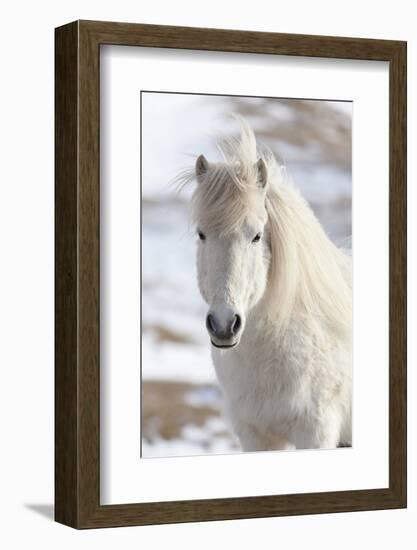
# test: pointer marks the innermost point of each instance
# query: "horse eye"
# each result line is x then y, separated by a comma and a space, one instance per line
257, 238
201, 236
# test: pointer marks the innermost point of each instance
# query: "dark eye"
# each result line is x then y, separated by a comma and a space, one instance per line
257, 238
201, 236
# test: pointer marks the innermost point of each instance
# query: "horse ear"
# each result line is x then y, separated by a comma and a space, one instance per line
262, 173
201, 166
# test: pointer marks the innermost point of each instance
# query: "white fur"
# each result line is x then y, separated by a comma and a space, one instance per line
287, 382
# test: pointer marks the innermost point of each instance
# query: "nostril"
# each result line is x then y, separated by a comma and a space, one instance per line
211, 324
237, 323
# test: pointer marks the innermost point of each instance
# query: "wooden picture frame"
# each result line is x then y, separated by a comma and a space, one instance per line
77, 365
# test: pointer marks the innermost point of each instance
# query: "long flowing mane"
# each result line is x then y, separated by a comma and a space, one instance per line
308, 275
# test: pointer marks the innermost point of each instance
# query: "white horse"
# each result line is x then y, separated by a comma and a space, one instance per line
280, 303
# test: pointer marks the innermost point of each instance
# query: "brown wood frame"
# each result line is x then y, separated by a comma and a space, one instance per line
77, 370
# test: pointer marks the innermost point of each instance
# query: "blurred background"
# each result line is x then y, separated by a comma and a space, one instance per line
181, 402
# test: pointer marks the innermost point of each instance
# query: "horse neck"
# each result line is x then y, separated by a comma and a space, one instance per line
307, 277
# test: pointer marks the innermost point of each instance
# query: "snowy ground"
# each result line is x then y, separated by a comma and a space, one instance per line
181, 403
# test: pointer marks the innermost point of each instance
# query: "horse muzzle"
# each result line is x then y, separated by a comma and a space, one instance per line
225, 327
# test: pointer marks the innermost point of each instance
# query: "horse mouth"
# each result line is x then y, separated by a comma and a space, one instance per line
225, 346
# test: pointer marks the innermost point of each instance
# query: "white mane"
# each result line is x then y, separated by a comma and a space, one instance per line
308, 275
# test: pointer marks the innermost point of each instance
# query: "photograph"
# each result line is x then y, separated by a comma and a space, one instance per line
246, 274
230, 260
208, 277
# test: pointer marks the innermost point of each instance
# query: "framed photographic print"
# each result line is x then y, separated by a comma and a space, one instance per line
230, 274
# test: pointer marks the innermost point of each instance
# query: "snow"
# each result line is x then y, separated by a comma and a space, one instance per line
194, 440
169, 361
